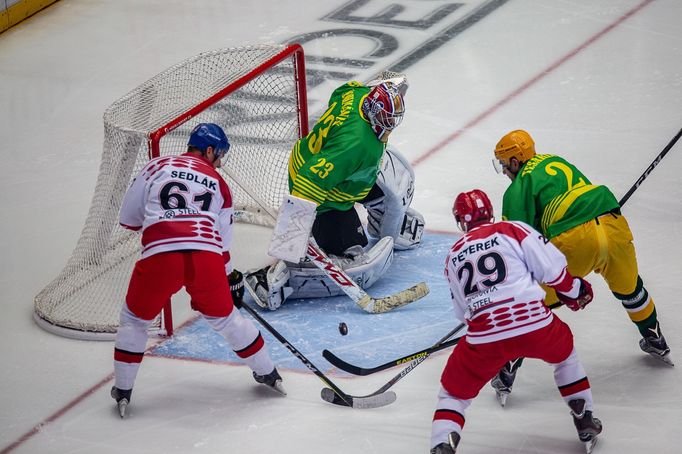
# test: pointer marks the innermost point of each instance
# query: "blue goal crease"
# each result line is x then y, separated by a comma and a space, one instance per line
312, 325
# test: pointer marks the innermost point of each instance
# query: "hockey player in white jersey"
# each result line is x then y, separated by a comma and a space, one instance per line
494, 272
184, 209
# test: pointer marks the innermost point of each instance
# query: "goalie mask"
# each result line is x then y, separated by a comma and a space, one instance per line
384, 108
472, 209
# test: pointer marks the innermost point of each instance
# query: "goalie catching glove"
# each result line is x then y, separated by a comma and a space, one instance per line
580, 295
236, 281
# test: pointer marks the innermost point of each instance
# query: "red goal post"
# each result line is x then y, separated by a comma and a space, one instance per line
257, 94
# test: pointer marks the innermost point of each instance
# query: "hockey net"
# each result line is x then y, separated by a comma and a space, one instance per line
257, 94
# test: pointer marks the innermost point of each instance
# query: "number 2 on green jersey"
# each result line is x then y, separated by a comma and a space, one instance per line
552, 168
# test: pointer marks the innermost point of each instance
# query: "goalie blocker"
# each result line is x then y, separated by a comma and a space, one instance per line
292, 230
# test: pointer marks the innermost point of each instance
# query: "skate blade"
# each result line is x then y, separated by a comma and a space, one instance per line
279, 387
590, 444
662, 358
122, 405
666, 359
502, 398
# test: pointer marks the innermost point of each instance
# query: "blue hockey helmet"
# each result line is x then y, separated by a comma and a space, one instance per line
206, 135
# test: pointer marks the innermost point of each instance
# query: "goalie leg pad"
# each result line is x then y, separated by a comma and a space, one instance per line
308, 281
388, 212
411, 230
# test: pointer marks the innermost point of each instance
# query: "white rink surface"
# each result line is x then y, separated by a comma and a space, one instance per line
610, 106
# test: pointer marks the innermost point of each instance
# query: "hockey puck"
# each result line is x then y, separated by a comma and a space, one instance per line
343, 328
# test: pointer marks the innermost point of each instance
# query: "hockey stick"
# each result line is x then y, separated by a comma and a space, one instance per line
337, 396
651, 167
357, 370
381, 391
336, 274
355, 292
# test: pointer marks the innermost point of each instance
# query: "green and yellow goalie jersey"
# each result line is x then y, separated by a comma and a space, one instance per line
336, 164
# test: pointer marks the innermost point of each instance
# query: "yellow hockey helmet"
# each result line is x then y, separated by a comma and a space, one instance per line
516, 144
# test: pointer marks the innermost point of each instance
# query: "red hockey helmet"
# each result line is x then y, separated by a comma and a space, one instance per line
471, 209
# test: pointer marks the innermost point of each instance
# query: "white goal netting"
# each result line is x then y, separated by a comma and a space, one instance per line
256, 93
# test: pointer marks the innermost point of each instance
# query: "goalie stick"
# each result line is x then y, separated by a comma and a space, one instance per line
333, 393
362, 371
336, 274
355, 292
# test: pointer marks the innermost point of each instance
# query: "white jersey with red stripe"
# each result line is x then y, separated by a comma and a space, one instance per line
180, 203
494, 272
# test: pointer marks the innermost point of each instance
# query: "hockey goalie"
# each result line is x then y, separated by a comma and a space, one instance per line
344, 160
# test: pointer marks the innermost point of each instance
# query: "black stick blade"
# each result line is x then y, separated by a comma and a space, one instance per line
376, 401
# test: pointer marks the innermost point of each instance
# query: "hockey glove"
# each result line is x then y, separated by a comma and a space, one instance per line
236, 281
584, 297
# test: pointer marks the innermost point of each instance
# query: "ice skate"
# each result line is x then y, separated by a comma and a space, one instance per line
122, 398
587, 425
503, 381
272, 380
656, 346
502, 391
447, 448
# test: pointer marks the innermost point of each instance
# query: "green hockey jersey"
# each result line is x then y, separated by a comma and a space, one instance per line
553, 196
336, 164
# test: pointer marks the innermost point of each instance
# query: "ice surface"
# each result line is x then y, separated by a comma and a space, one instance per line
598, 82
